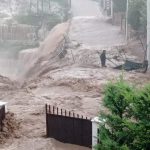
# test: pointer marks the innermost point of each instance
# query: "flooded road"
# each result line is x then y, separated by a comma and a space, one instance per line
71, 87
85, 8
93, 31
91, 28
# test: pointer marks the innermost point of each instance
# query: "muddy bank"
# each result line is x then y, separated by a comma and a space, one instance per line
74, 88
33, 60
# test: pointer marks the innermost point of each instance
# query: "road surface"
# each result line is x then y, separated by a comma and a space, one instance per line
91, 28
71, 87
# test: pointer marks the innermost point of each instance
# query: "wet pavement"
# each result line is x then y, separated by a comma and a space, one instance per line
85, 8
91, 28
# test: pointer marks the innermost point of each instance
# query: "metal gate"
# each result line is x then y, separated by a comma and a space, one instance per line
68, 127
2, 116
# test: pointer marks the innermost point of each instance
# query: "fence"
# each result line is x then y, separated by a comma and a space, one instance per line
2, 116
17, 32
68, 127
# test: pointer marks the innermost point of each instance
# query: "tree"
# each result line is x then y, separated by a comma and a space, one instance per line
49, 4
141, 113
119, 5
42, 6
137, 15
30, 6
37, 6
126, 125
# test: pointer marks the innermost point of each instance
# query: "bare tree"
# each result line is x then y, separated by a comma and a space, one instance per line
30, 5
37, 6
42, 5
10, 6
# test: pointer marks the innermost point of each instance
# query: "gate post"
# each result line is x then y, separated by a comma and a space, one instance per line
5, 105
46, 109
3, 110
95, 129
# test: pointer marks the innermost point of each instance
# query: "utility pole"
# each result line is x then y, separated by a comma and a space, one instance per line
49, 4
30, 5
42, 5
127, 9
112, 9
148, 31
69, 2
37, 6
10, 7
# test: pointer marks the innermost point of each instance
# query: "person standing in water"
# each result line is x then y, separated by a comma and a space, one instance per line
103, 58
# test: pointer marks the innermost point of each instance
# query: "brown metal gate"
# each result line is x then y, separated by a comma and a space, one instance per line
68, 127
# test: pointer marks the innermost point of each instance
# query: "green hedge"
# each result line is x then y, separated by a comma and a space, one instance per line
127, 123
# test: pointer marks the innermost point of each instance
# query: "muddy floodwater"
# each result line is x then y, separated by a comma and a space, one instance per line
75, 82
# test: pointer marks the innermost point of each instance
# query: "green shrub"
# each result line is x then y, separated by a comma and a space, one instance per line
141, 113
126, 125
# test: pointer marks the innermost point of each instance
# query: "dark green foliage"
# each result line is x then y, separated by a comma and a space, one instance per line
137, 14
50, 19
120, 5
127, 125
141, 112
117, 97
63, 3
36, 20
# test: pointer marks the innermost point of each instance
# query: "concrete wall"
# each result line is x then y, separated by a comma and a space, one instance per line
95, 127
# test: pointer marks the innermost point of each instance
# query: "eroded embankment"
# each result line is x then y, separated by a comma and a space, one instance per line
32, 61
74, 81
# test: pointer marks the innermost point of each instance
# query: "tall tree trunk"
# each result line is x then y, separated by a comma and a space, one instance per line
30, 5
42, 6
70, 4
10, 8
49, 4
37, 6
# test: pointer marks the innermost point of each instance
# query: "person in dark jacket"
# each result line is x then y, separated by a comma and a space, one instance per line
103, 58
